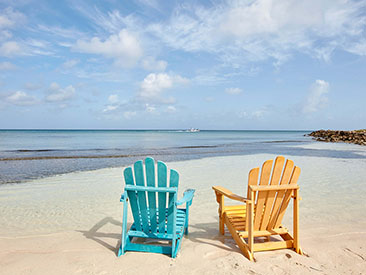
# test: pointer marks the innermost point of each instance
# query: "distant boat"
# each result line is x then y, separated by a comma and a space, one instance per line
193, 130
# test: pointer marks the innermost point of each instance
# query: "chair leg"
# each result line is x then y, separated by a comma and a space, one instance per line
221, 214
296, 222
124, 236
243, 246
177, 247
221, 226
186, 221
121, 251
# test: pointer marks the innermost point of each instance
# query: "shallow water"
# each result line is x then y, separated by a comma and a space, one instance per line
32, 154
333, 192
64, 197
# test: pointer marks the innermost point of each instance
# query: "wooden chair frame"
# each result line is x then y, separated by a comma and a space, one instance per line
154, 208
241, 220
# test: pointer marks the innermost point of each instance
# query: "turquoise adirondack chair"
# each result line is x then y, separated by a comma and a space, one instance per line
154, 208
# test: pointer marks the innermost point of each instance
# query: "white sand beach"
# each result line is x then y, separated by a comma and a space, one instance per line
71, 223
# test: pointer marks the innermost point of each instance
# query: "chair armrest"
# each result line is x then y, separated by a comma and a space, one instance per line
123, 197
227, 193
187, 197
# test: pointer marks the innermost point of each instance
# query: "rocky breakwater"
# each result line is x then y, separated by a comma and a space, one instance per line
357, 136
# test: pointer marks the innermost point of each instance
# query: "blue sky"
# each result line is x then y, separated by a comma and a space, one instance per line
145, 64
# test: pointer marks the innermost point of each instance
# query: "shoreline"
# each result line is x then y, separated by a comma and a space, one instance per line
309, 148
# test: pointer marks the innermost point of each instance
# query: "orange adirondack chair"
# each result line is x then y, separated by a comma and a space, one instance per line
262, 211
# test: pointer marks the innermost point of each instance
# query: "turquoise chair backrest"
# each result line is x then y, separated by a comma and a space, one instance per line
153, 211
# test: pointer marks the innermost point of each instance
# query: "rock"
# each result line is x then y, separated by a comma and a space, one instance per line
356, 137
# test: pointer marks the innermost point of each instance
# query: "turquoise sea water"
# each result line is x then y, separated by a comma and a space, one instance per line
29, 154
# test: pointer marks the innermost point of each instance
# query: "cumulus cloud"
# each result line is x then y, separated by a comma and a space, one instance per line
117, 106
151, 97
21, 98
114, 104
124, 48
233, 91
316, 98
58, 94
153, 86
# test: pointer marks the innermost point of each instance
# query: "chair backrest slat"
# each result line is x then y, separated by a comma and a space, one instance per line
252, 180
150, 210
261, 197
173, 182
150, 181
286, 175
162, 181
140, 181
275, 179
270, 206
132, 195
294, 177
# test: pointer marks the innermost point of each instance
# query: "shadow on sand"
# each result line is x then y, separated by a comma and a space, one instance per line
96, 234
203, 233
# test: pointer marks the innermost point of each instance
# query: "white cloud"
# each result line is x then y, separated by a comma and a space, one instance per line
123, 48
316, 98
5, 35
58, 94
243, 114
113, 99
171, 109
21, 98
149, 108
259, 114
110, 108
9, 18
154, 85
110, 22
69, 34
10, 49
29, 47
116, 105
150, 64
70, 63
358, 48
256, 114
7, 66
245, 31
233, 91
